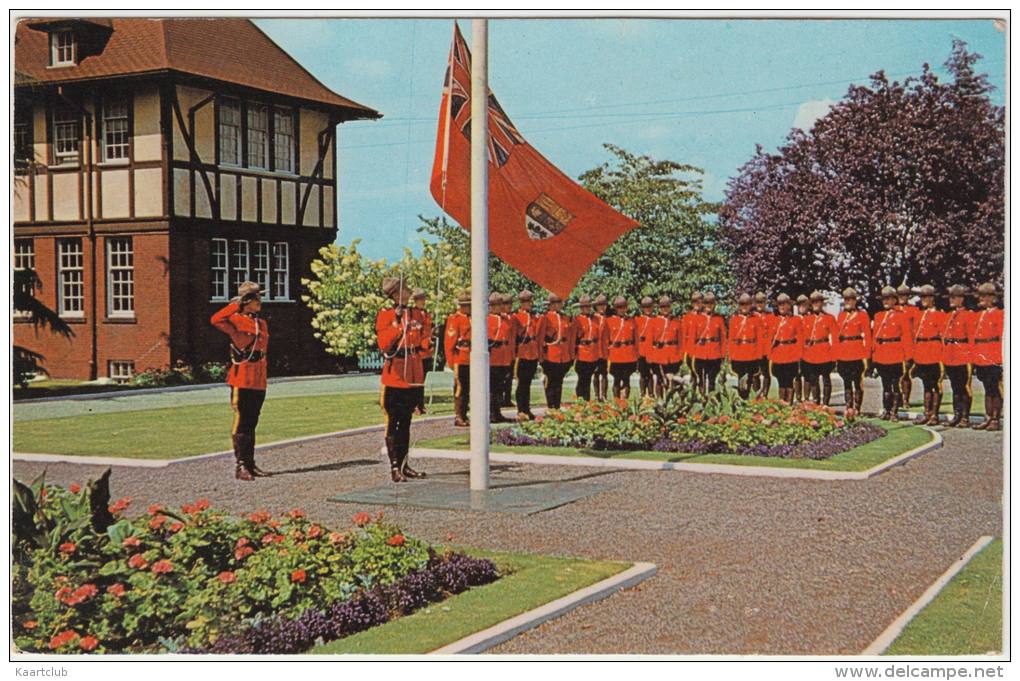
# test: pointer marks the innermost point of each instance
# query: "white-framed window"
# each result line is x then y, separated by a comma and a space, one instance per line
120, 370
281, 271
71, 278
230, 132
238, 264
258, 136
24, 259
115, 128
120, 277
260, 266
218, 263
66, 135
283, 140
63, 48
23, 154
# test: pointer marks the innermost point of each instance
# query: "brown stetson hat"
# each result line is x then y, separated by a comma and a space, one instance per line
817, 295
744, 299
957, 290
619, 301
584, 301
248, 290
988, 288
395, 289
554, 298
464, 298
525, 295
601, 299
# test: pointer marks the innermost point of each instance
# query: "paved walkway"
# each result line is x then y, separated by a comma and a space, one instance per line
746, 565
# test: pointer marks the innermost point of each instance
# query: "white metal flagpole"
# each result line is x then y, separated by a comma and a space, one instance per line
479, 254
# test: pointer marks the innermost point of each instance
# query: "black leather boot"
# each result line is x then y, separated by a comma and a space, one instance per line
241, 469
886, 402
955, 421
965, 403
406, 469
936, 407
459, 412
396, 474
989, 413
926, 416
995, 423
895, 401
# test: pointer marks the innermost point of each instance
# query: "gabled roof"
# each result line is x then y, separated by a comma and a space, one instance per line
228, 50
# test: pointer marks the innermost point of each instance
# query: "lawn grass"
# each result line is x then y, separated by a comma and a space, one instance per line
900, 437
965, 618
533, 581
60, 388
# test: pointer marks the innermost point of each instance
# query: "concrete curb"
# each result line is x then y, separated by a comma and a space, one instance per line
504, 631
714, 468
164, 463
886, 638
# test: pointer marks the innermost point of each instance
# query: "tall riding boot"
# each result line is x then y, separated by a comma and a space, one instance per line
241, 471
886, 403
965, 403
957, 413
250, 456
405, 468
905, 388
848, 397
459, 412
926, 416
936, 406
895, 401
989, 413
393, 454
996, 422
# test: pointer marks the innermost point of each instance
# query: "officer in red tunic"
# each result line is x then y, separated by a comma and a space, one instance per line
425, 319
786, 346
818, 360
957, 349
588, 334
762, 380
688, 322
506, 303
601, 377
621, 338
556, 343
911, 312
747, 340
249, 341
457, 347
399, 336
709, 344
927, 351
987, 355
666, 340
643, 320
890, 333
526, 362
852, 350
803, 311
501, 355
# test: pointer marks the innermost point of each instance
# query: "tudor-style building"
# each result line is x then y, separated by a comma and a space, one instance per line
158, 164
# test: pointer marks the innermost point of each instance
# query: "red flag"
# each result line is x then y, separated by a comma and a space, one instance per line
540, 221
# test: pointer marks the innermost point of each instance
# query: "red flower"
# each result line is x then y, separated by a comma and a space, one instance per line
120, 505
268, 538
201, 504
155, 508
243, 552
296, 514
88, 643
278, 539
243, 541
177, 527
68, 548
30, 624
298, 576
336, 538
724, 419
259, 517
138, 561
314, 531
361, 519
396, 540
130, 542
227, 577
161, 567
157, 522
682, 420
86, 591
75, 488
62, 638
379, 515
116, 589
64, 594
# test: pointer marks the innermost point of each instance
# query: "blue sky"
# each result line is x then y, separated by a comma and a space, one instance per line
702, 92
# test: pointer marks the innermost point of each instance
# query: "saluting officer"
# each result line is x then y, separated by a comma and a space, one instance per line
911, 312
803, 310
853, 347
709, 344
249, 341
425, 319
399, 336
890, 333
786, 345
818, 359
957, 348
643, 320
457, 346
747, 343
988, 326
927, 355
621, 337
602, 366
527, 353
588, 334
501, 355
666, 339
556, 342
762, 380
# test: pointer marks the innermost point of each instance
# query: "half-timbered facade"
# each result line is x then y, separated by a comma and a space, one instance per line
158, 164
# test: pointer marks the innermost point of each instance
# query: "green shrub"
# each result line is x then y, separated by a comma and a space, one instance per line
180, 374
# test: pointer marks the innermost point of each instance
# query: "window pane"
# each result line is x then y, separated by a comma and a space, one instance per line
230, 132
260, 266
115, 128
258, 136
120, 277
218, 258
66, 133
71, 276
238, 264
281, 271
283, 141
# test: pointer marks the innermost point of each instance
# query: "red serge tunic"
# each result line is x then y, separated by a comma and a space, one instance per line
819, 335
457, 343
747, 338
666, 340
709, 336
890, 337
912, 313
400, 341
687, 329
527, 334
643, 324
556, 337
958, 337
501, 338
588, 339
621, 337
987, 348
767, 322
928, 336
250, 336
600, 323
786, 340
853, 336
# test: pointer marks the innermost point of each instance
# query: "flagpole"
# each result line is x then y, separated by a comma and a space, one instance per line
479, 254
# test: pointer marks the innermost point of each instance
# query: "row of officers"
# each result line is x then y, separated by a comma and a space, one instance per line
796, 343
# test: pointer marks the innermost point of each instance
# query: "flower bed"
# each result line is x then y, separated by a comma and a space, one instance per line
721, 423
86, 579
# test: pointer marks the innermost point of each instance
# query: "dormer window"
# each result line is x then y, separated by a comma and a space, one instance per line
63, 48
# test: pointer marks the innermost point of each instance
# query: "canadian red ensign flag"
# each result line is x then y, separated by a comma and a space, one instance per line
540, 221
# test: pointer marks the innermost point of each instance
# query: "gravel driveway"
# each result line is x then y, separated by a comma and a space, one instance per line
746, 565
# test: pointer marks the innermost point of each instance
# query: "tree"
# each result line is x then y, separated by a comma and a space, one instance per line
897, 183
27, 362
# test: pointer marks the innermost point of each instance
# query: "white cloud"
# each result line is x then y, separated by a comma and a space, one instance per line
373, 68
811, 111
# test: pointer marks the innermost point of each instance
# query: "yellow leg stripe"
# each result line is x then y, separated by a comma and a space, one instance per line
237, 411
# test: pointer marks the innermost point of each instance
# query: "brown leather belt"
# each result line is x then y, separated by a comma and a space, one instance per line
586, 342
883, 341
620, 344
743, 341
785, 342
850, 338
987, 340
816, 341
713, 339
951, 341
928, 340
